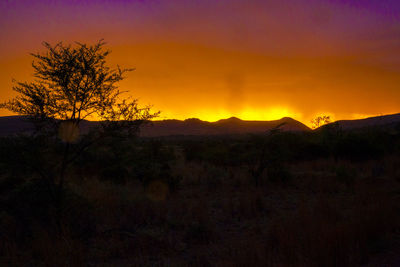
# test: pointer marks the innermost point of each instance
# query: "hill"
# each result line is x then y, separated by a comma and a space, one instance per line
386, 121
222, 127
14, 124
195, 127
18, 124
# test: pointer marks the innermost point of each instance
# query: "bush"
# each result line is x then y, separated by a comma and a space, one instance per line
34, 204
357, 148
278, 173
346, 175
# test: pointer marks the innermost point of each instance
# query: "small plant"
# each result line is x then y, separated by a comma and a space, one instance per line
346, 176
319, 121
278, 173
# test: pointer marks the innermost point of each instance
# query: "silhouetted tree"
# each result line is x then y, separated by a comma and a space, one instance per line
265, 155
319, 121
74, 83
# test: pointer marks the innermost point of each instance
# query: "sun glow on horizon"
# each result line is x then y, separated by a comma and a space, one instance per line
248, 113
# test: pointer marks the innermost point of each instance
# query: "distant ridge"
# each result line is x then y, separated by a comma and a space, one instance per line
14, 124
377, 121
195, 127
228, 126
189, 127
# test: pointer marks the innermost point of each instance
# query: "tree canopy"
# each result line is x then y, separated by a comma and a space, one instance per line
320, 120
73, 83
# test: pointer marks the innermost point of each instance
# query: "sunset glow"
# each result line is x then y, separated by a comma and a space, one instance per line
255, 60
245, 114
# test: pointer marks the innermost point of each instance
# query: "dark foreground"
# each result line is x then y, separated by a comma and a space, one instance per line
326, 198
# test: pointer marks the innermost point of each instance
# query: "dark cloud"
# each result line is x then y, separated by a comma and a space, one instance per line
307, 55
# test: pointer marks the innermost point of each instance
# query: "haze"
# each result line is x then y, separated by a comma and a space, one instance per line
256, 60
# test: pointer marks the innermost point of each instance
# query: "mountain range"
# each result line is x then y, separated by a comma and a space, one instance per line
18, 124
378, 121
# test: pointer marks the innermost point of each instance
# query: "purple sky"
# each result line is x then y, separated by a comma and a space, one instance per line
310, 42
266, 26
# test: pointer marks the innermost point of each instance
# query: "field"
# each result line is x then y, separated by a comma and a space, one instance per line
321, 198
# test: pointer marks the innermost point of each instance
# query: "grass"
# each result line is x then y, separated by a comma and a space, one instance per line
322, 211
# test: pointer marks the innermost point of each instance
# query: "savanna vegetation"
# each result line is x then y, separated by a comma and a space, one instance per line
286, 199
108, 197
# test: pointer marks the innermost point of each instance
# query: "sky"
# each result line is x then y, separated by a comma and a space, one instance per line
213, 59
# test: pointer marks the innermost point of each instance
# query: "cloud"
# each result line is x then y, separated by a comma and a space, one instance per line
306, 56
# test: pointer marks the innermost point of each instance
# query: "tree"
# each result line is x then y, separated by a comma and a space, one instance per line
71, 84
319, 121
265, 154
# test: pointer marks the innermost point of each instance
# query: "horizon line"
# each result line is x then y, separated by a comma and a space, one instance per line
237, 118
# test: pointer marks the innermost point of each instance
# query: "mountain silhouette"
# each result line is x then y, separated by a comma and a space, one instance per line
222, 127
14, 125
385, 121
195, 127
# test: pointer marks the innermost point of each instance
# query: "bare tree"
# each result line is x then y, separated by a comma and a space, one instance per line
319, 121
264, 158
73, 83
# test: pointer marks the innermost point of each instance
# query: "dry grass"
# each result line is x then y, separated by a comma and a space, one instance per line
330, 214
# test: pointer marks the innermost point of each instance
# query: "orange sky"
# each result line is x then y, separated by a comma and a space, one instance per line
234, 58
